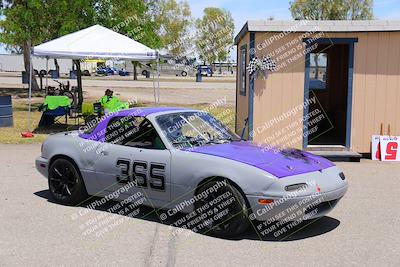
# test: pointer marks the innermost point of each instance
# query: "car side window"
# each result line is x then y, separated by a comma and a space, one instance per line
134, 132
119, 129
146, 137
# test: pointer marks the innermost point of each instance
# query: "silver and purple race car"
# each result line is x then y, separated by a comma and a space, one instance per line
188, 162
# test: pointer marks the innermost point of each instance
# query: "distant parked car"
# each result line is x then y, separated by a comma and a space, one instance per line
123, 73
115, 71
105, 71
206, 71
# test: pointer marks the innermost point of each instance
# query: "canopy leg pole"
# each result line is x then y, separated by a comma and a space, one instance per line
79, 101
30, 91
47, 71
154, 88
158, 78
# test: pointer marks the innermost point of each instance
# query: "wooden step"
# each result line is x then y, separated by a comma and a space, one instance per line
326, 148
336, 155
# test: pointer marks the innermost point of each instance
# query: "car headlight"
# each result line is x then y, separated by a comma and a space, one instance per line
341, 175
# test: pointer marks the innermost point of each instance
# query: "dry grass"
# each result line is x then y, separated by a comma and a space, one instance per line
12, 135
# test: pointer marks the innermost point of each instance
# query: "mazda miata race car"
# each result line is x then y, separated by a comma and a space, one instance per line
187, 162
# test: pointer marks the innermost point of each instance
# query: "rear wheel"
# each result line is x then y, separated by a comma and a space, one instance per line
42, 73
70, 95
227, 213
65, 183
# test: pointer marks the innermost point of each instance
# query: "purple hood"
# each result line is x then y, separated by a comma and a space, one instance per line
279, 163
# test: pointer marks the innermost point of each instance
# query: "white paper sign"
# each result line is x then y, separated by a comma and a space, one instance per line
376, 151
389, 147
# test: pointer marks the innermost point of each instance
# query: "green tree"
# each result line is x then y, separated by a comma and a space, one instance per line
173, 19
360, 9
132, 18
332, 9
214, 35
81, 14
22, 26
30, 22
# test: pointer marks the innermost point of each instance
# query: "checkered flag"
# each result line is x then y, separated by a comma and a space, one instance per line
253, 65
268, 63
260, 67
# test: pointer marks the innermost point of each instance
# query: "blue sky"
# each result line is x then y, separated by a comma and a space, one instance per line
243, 10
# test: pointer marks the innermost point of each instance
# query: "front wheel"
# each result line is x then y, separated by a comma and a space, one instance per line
65, 183
223, 209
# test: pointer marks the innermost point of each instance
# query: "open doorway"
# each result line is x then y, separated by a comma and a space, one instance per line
328, 70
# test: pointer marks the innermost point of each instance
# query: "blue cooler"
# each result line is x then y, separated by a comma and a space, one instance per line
6, 114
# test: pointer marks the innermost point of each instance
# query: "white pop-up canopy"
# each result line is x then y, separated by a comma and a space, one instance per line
95, 42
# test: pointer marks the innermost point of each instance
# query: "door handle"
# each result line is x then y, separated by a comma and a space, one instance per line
104, 153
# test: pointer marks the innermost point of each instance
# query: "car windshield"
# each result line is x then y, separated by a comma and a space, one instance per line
190, 129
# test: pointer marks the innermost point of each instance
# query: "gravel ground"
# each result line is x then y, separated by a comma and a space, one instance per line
363, 230
174, 91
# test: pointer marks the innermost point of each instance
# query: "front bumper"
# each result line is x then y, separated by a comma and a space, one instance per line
42, 165
296, 208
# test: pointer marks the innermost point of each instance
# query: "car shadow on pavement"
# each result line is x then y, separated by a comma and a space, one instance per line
257, 230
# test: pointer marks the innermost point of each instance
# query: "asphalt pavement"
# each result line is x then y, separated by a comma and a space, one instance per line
363, 230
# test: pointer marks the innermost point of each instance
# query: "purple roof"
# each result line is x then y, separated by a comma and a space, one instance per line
280, 164
143, 112
98, 133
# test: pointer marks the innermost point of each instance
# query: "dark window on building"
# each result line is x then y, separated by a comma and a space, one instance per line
243, 71
318, 71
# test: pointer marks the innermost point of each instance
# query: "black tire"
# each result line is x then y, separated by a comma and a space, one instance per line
234, 223
36, 72
42, 73
70, 96
86, 73
144, 72
184, 73
65, 183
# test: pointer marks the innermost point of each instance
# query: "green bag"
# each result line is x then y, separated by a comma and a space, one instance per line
54, 101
